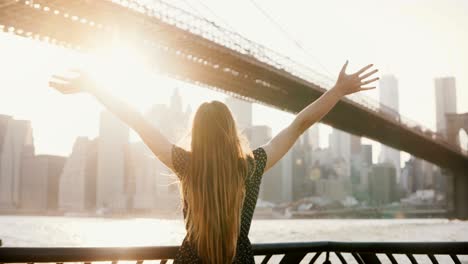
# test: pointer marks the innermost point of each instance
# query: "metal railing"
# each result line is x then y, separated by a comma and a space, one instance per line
304, 252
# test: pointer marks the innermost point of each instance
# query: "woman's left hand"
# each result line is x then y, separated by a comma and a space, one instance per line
80, 82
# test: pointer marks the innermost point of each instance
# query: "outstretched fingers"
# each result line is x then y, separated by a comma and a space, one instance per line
369, 81
366, 88
64, 87
363, 69
343, 69
368, 74
58, 85
62, 78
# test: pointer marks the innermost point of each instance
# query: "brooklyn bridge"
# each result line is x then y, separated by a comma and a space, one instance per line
198, 51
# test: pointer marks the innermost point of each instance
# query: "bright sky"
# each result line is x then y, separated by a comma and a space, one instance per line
414, 40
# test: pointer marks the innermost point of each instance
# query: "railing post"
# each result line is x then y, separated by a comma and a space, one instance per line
327, 258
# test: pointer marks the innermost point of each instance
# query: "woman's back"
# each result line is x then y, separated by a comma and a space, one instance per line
187, 252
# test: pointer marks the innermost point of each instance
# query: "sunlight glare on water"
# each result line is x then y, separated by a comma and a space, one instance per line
73, 231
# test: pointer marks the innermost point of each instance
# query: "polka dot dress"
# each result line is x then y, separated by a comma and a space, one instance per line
244, 254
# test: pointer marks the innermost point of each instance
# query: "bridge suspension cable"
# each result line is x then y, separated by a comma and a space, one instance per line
193, 8
219, 18
196, 10
228, 25
288, 36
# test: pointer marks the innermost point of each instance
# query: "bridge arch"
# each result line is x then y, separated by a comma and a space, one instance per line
457, 129
463, 138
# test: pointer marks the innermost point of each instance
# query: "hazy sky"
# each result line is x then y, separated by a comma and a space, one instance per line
414, 40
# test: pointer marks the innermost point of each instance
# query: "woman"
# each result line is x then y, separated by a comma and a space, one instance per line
219, 177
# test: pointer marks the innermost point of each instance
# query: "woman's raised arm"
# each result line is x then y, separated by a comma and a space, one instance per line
152, 137
346, 84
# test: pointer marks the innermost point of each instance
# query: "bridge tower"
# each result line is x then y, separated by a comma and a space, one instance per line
454, 123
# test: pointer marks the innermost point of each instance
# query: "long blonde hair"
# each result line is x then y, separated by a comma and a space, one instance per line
214, 188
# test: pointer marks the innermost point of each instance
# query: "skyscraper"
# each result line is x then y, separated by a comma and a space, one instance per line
242, 111
111, 171
142, 173
77, 187
418, 175
171, 120
388, 94
272, 182
17, 143
176, 112
260, 135
382, 184
365, 165
301, 159
311, 137
389, 98
340, 146
4, 120
173, 123
287, 177
446, 101
40, 182
33, 185
366, 153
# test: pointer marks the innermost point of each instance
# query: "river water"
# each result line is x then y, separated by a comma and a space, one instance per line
38, 231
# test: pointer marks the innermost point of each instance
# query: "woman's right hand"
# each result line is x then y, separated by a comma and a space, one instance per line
78, 83
355, 82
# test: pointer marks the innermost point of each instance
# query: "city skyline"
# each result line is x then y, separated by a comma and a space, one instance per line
110, 174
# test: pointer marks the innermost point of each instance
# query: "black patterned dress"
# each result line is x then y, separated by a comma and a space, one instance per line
244, 254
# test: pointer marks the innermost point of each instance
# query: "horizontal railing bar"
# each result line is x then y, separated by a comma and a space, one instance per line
85, 254
401, 247
365, 247
283, 248
90, 254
